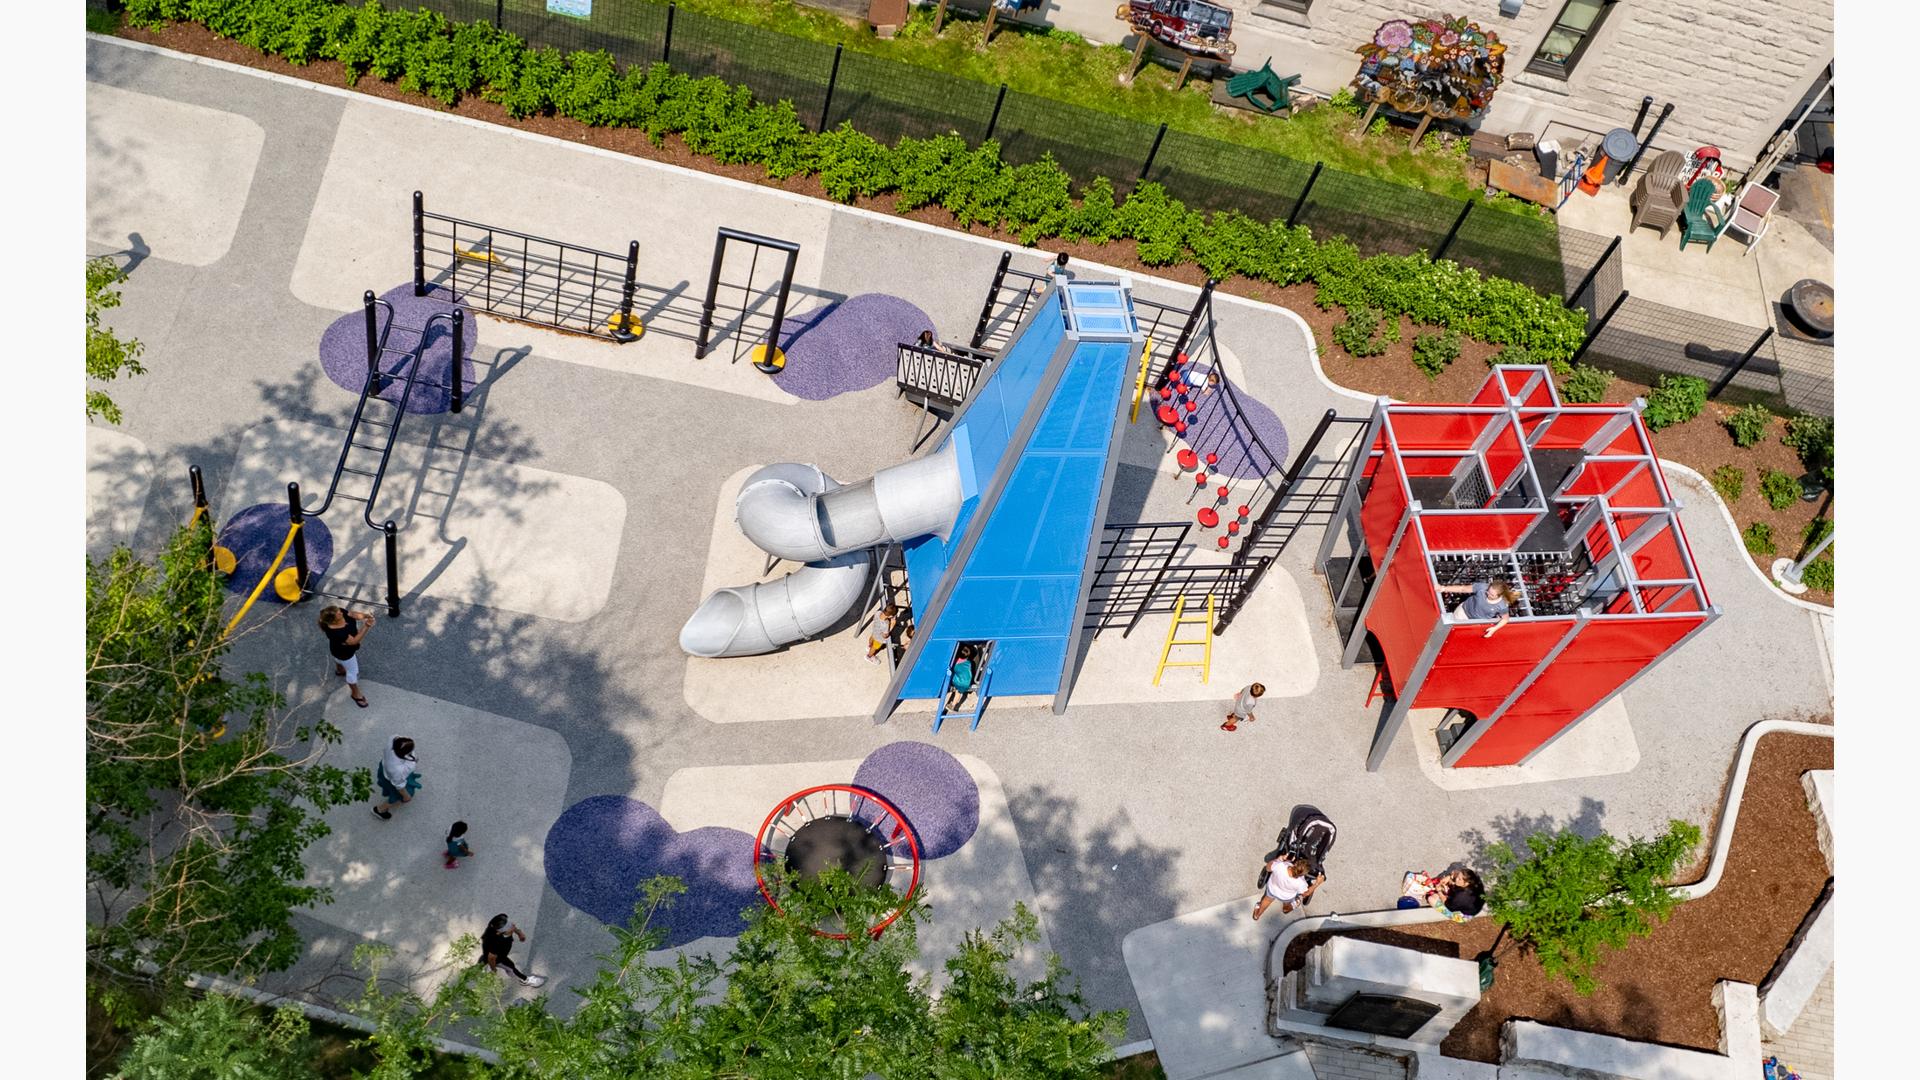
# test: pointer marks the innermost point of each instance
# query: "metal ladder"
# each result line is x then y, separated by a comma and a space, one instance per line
1205, 642
981, 686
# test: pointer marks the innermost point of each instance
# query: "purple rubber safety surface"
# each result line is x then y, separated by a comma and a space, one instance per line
343, 349
848, 346
255, 534
930, 788
1212, 429
603, 847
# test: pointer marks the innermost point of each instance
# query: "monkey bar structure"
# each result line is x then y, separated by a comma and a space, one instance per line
1565, 502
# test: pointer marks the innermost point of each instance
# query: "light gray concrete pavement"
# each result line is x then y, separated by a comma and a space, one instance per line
1127, 814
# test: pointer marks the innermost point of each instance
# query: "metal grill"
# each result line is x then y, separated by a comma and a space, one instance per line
1550, 582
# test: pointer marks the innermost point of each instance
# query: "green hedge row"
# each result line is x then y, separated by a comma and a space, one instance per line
424, 52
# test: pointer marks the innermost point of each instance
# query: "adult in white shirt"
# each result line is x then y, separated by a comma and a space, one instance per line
1287, 882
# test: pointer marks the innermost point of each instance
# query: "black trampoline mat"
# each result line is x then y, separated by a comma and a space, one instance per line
838, 841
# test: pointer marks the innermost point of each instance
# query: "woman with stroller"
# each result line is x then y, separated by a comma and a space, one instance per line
1288, 882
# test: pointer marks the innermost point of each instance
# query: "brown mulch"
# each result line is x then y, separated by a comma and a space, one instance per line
1701, 444
1660, 988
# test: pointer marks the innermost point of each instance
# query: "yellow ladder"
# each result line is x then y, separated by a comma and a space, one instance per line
1140, 388
1180, 618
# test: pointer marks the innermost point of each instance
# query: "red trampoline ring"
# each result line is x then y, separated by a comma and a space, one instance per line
890, 825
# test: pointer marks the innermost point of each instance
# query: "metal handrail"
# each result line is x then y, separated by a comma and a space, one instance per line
400, 413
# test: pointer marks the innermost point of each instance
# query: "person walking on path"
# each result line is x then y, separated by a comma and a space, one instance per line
1243, 702
345, 631
1490, 599
880, 631
457, 848
398, 776
496, 945
1287, 882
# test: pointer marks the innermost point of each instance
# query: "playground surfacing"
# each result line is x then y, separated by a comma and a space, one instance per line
1126, 811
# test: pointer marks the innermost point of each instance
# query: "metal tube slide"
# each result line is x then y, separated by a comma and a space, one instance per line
797, 512
747, 620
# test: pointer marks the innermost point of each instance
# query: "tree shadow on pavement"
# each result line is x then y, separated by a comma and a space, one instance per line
1514, 828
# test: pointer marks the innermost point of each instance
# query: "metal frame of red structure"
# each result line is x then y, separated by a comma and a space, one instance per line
856, 796
1623, 592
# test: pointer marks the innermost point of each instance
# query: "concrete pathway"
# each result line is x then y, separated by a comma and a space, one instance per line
1127, 811
1808, 1048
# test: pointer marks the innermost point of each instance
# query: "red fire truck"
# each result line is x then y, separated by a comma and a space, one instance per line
1193, 26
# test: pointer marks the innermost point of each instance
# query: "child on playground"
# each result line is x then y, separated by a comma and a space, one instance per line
1242, 710
960, 677
880, 631
1457, 892
1490, 599
457, 845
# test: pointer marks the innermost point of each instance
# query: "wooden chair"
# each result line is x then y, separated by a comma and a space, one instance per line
1656, 198
1749, 217
1698, 221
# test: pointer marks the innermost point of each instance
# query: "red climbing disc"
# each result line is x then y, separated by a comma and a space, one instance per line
1223, 542
1166, 392
1224, 492
1191, 406
1212, 459
1233, 528
1167, 415
1179, 427
1187, 460
1244, 511
1199, 479
1208, 518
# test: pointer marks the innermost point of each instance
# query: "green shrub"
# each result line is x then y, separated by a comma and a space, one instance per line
1097, 218
1730, 481
1677, 399
1779, 489
1585, 384
1433, 352
1812, 438
1344, 101
1818, 574
1358, 334
1748, 424
1816, 531
1758, 537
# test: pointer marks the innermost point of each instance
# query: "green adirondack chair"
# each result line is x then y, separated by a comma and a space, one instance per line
1263, 89
1698, 220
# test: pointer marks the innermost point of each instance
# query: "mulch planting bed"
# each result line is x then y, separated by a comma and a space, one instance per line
1660, 988
1701, 444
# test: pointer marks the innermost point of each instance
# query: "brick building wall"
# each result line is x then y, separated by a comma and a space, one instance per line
1734, 69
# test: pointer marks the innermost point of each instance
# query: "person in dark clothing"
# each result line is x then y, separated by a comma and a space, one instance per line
345, 631
495, 945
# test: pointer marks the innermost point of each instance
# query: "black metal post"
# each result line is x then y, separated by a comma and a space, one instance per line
1640, 117
666, 45
1741, 366
373, 334
993, 293
779, 316
499, 12
625, 330
420, 245
1455, 231
1240, 598
833, 78
1612, 247
455, 377
1286, 483
994, 120
1599, 326
1301, 203
1200, 306
713, 295
199, 487
393, 569
1648, 141
295, 516
1153, 152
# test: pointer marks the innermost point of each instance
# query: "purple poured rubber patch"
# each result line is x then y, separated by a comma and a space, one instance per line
930, 788
602, 848
255, 534
343, 349
1213, 428
847, 346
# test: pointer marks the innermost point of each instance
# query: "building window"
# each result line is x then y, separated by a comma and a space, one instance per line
1300, 6
1560, 50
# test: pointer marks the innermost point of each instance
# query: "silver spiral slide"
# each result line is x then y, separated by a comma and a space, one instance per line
799, 513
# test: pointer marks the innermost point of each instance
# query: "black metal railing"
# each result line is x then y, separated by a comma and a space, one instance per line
526, 278
938, 376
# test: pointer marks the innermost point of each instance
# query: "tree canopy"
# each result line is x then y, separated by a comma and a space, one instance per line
107, 355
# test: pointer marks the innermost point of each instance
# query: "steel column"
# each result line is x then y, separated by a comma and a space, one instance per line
392, 534
1351, 653
833, 79
456, 380
1363, 449
1300, 203
295, 516
1404, 691
420, 245
1292, 476
993, 294
373, 335
1201, 305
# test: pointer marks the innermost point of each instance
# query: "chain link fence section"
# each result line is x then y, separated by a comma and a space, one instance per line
1084, 142
890, 100
1207, 174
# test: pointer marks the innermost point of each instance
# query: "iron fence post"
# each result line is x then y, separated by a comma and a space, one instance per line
833, 78
1612, 246
1152, 152
1641, 116
296, 516
993, 293
1455, 231
1301, 203
1651, 135
455, 377
1765, 335
627, 287
994, 120
393, 569
1292, 477
666, 44
499, 12
1599, 326
373, 334
419, 245
713, 297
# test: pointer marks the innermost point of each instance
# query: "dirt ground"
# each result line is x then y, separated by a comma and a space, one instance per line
1660, 988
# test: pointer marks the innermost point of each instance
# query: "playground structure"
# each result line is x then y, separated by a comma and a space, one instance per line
526, 278
766, 355
1567, 503
838, 825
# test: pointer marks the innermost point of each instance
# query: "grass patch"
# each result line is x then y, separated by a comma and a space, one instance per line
102, 22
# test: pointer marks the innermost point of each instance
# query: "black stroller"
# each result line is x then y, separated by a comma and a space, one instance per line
1309, 835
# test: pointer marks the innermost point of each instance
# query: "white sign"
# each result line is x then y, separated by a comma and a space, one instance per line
581, 9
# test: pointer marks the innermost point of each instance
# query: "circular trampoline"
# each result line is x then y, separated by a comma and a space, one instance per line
839, 825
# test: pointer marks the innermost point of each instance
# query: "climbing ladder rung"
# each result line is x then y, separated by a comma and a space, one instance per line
1181, 618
